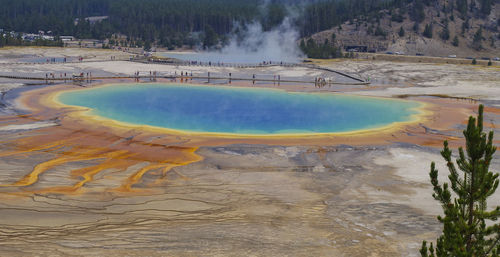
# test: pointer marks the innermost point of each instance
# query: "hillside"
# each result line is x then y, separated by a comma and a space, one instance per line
383, 32
379, 25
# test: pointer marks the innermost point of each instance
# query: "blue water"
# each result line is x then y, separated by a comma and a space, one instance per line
238, 110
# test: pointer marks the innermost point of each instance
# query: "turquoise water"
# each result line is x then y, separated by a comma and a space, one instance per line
238, 110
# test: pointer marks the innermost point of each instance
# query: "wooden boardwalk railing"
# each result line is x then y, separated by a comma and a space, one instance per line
243, 66
209, 78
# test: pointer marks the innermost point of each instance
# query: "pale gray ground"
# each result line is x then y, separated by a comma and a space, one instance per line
251, 200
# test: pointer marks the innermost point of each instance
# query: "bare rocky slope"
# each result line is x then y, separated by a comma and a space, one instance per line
363, 31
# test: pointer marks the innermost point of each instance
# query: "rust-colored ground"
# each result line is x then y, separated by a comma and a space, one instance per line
118, 147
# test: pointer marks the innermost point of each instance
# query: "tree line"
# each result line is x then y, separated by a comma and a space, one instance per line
171, 22
9, 40
176, 23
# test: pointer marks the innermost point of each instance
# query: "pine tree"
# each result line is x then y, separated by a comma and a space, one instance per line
211, 37
417, 12
465, 232
302, 45
465, 26
445, 34
416, 27
401, 32
462, 7
486, 6
428, 31
455, 41
2, 40
478, 38
147, 46
380, 32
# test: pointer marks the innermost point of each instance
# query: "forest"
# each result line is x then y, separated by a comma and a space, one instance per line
176, 23
170, 22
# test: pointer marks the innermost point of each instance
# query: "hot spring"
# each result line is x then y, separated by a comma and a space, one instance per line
237, 110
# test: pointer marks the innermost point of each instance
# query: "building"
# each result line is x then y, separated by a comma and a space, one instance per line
30, 37
67, 38
92, 20
356, 48
50, 38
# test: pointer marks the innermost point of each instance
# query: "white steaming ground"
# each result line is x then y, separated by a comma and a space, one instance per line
253, 45
256, 45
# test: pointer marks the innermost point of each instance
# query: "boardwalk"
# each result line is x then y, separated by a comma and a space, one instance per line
208, 76
260, 65
174, 77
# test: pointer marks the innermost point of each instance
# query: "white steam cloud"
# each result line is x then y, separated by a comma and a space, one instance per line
253, 45
250, 44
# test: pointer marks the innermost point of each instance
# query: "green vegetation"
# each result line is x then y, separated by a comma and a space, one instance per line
455, 41
401, 32
416, 27
417, 11
170, 21
177, 23
465, 232
478, 38
173, 20
211, 38
147, 46
486, 6
380, 32
462, 7
323, 15
465, 26
326, 50
8, 40
445, 33
428, 31
397, 17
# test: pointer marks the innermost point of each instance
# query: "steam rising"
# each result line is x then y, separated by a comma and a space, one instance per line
253, 45
250, 44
